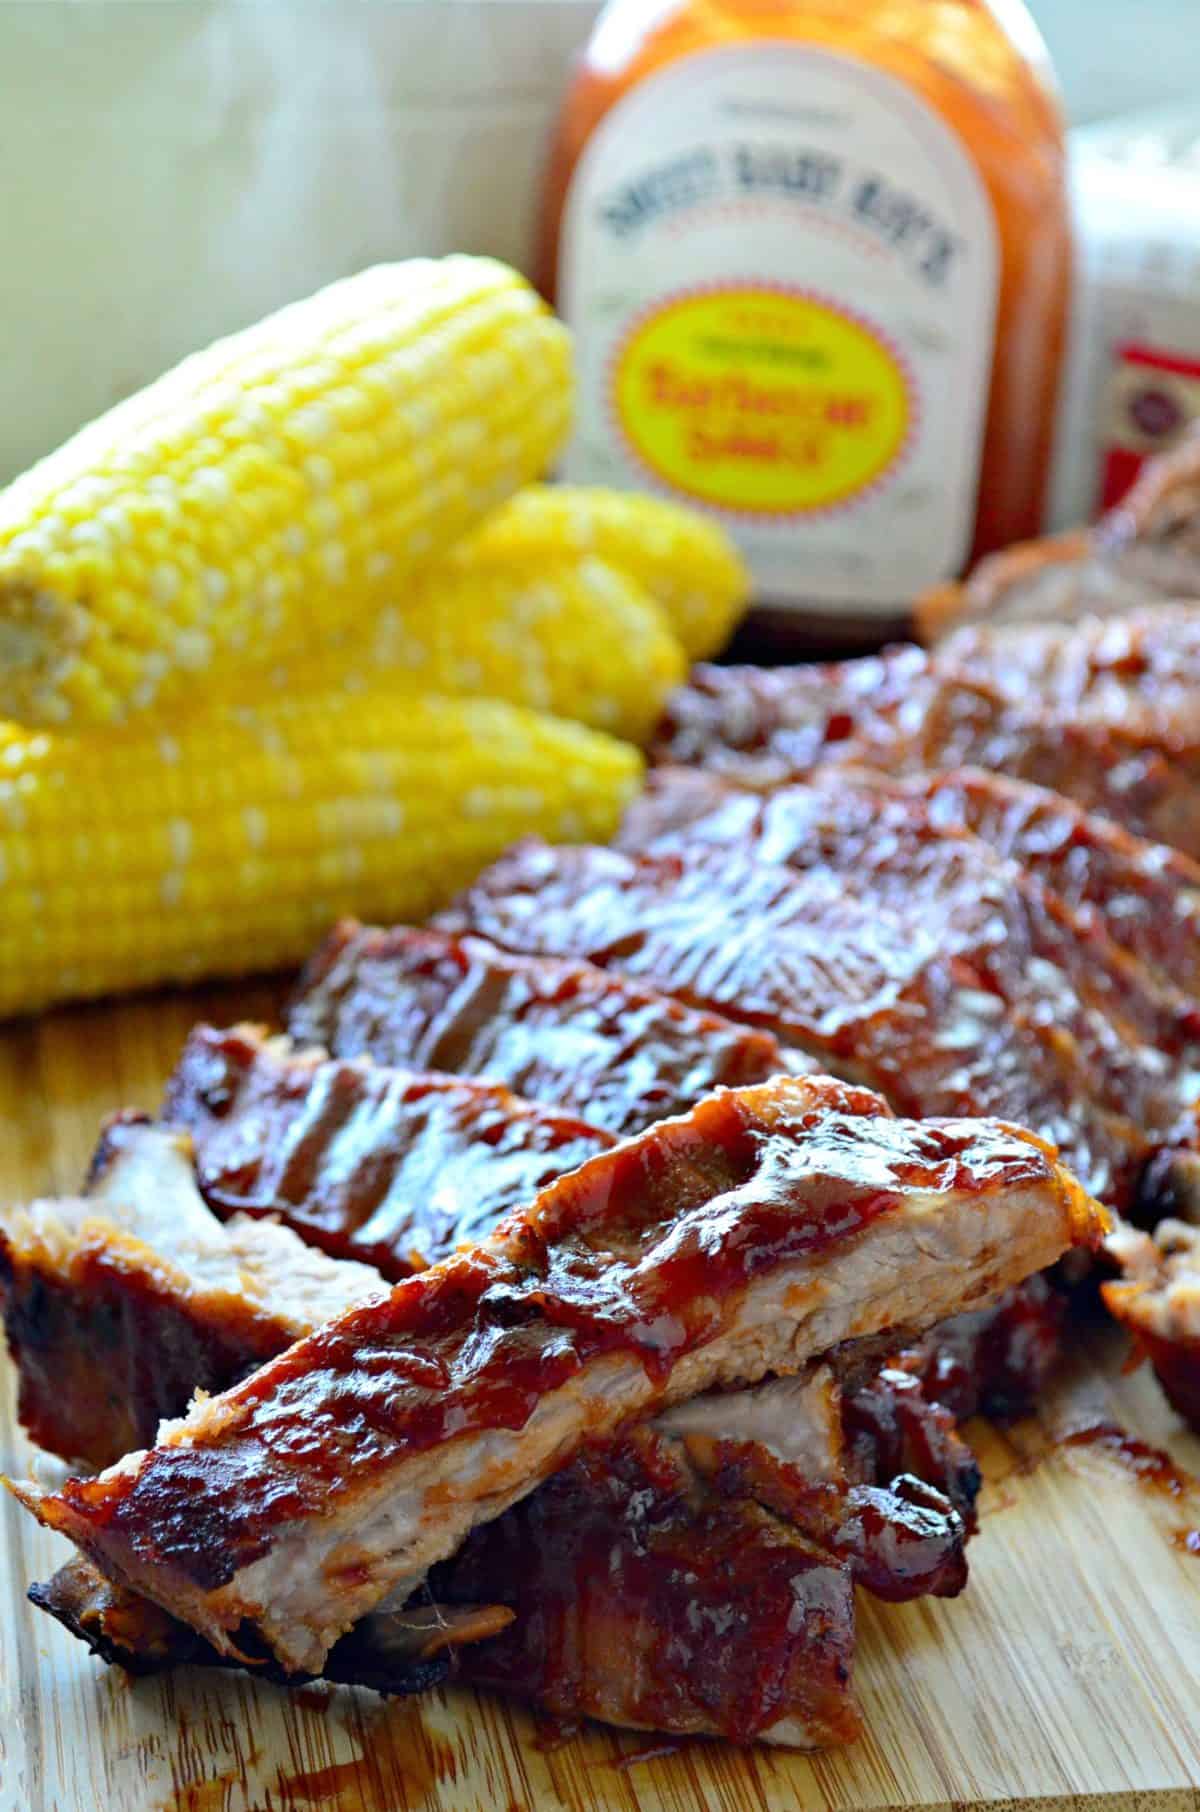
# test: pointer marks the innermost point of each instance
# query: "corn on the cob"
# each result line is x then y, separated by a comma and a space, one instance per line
231, 842
268, 489
685, 562
576, 638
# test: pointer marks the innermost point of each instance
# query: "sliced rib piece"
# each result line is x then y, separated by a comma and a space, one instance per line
901, 713
1137, 672
1146, 896
1147, 547
120, 1304
162, 1281
876, 989
619, 1575
1158, 1300
393, 1167
619, 1572
592, 1043
761, 1230
1130, 1036
141, 1275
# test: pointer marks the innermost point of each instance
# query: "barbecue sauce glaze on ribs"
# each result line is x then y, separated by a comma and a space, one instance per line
1143, 896
746, 1513
394, 1167
762, 1230
1102, 713
907, 988
592, 1042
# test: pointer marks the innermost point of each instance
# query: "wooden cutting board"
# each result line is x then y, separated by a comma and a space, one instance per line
1069, 1672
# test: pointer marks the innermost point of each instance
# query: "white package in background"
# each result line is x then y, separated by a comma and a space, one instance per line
171, 170
1131, 387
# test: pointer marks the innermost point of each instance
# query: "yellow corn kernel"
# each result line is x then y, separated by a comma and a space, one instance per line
268, 490
576, 637
688, 564
229, 842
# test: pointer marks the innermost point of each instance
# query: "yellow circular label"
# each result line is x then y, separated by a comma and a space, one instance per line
760, 400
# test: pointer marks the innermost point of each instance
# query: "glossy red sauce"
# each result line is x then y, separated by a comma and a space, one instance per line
994, 1361
592, 1042
1138, 670
1148, 895
1027, 947
901, 1540
893, 1426
392, 1167
760, 726
897, 712
906, 982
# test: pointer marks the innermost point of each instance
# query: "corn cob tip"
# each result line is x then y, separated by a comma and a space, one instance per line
686, 562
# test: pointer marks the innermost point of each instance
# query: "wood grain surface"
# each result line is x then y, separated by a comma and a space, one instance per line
1069, 1673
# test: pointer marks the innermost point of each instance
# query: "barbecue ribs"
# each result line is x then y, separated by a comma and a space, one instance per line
869, 973
1145, 896
591, 1042
756, 1234
823, 1485
1116, 745
393, 1167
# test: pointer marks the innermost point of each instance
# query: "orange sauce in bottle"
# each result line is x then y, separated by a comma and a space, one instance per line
817, 257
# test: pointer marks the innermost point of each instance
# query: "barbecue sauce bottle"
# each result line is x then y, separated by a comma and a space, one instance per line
816, 255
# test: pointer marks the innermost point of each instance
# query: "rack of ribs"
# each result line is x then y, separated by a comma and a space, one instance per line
685, 1527
885, 846
1144, 896
1137, 672
391, 1166
1113, 743
757, 1234
592, 1042
921, 974
1147, 547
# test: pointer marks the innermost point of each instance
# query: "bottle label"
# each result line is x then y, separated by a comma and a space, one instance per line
781, 269
1153, 402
